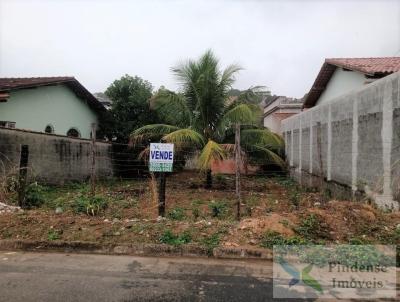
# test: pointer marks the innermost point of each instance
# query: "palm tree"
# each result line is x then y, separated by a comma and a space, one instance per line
201, 116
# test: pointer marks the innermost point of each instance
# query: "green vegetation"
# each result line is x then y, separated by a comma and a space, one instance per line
312, 228
168, 237
176, 214
53, 235
211, 242
218, 208
272, 238
203, 116
130, 108
34, 195
89, 205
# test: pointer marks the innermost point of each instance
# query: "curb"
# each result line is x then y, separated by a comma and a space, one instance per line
138, 249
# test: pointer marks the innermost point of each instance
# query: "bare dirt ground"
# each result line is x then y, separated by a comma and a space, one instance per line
274, 210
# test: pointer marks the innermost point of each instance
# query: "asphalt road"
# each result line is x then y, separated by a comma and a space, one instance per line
77, 277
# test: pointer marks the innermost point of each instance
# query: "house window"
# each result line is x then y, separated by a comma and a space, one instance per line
73, 132
49, 129
7, 124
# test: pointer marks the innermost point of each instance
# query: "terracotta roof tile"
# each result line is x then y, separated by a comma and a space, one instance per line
370, 66
376, 67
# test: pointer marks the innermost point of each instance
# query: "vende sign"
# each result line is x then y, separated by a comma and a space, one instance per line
161, 157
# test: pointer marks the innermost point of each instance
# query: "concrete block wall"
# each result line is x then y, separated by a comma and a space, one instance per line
354, 140
53, 159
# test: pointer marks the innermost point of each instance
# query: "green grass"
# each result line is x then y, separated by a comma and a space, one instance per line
168, 237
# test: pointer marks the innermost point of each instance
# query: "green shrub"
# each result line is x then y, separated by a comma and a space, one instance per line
52, 234
272, 238
176, 214
311, 227
89, 205
211, 242
168, 237
218, 208
34, 195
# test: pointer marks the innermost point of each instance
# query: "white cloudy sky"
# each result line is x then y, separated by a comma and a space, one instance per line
281, 44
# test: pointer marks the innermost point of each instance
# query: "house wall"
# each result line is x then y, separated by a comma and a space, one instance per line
272, 123
352, 141
34, 109
340, 83
53, 159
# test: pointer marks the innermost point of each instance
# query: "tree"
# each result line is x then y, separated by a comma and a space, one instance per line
201, 116
130, 107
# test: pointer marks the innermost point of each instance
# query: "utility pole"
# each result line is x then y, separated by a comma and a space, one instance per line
237, 166
93, 171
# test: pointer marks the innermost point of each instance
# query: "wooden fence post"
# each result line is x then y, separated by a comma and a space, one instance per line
93, 167
23, 171
237, 168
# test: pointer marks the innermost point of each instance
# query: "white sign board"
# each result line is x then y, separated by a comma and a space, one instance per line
161, 157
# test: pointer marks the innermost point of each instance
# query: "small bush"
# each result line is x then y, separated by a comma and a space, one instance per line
211, 242
176, 214
218, 208
53, 235
34, 195
272, 238
89, 205
170, 238
312, 228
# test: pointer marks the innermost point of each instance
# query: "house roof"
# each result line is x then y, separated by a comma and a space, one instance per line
373, 67
8, 84
284, 115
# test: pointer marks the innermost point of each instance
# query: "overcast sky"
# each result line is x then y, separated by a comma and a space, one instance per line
280, 44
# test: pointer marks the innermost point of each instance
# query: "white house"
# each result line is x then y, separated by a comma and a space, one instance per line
341, 75
279, 108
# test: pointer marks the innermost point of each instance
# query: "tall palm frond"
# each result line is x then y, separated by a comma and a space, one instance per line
184, 138
270, 157
212, 151
261, 137
150, 132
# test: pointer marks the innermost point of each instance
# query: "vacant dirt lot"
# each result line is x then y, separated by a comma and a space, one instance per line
274, 210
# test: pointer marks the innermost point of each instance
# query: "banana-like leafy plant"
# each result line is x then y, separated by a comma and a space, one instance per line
201, 117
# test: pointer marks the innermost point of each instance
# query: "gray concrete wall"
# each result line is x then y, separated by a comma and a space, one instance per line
53, 159
355, 139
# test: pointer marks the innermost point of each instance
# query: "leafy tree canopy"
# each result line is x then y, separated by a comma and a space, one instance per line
130, 107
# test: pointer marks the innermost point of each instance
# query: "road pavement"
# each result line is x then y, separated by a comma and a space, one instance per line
78, 277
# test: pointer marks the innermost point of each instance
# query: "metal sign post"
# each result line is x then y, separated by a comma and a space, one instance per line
161, 160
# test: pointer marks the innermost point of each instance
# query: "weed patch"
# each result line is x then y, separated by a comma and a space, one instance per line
218, 208
272, 238
176, 214
312, 228
211, 242
53, 234
89, 205
168, 237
